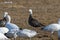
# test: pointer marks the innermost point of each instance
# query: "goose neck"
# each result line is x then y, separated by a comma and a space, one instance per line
8, 19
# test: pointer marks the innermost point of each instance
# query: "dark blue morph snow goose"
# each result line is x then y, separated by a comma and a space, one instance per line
33, 22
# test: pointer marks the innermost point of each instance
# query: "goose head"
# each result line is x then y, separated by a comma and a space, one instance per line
5, 13
30, 10
7, 17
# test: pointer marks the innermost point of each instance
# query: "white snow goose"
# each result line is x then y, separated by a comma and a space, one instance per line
13, 28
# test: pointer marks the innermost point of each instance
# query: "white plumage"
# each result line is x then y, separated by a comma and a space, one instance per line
27, 33
12, 34
30, 10
5, 13
9, 25
53, 27
12, 27
3, 37
3, 30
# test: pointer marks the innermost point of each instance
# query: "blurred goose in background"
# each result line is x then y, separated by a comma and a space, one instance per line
8, 2
52, 27
27, 33
33, 22
13, 28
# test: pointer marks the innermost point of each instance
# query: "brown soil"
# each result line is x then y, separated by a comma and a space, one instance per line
45, 11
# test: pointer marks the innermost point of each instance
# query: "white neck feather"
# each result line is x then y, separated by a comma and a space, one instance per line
30, 10
8, 19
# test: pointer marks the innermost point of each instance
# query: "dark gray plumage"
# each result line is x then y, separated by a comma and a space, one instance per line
33, 22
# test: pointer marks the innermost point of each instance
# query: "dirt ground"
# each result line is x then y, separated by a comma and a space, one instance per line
45, 11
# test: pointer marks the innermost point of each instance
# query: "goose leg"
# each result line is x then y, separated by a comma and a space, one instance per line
19, 39
14, 38
30, 38
51, 35
15, 35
